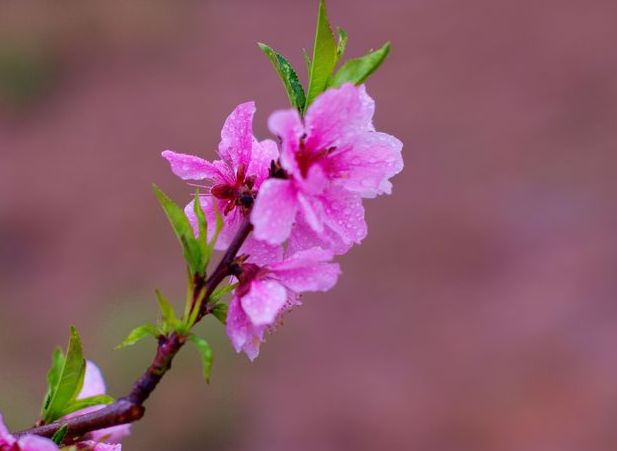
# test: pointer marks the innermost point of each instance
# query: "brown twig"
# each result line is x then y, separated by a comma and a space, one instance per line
130, 408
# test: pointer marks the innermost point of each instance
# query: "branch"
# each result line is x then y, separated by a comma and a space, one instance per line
130, 408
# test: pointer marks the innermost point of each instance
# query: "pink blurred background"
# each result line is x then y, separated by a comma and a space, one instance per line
480, 312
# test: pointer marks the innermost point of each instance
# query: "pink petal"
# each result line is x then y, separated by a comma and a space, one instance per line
36, 443
274, 211
344, 214
367, 164
337, 115
94, 384
263, 154
237, 136
260, 252
114, 434
286, 124
264, 301
308, 270
5, 436
312, 212
304, 237
97, 446
190, 167
244, 336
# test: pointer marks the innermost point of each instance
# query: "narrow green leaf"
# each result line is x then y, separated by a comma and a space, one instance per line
139, 333
53, 376
70, 379
342, 43
220, 312
221, 292
357, 70
217, 231
205, 352
288, 76
59, 435
168, 313
202, 240
307, 61
183, 231
79, 404
324, 56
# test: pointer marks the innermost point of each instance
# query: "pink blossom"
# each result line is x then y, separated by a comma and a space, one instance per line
266, 292
26, 443
94, 385
329, 162
233, 180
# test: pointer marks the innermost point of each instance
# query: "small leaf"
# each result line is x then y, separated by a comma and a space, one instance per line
307, 60
357, 70
167, 312
288, 76
70, 379
139, 333
220, 312
59, 435
220, 223
221, 292
205, 351
324, 56
342, 43
53, 376
183, 231
203, 230
79, 404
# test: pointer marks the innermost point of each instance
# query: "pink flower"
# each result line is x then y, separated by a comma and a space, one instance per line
233, 180
266, 292
26, 443
329, 163
94, 385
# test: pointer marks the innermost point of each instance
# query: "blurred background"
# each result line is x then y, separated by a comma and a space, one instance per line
479, 314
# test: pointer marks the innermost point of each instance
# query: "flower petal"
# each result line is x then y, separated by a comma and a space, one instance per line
337, 115
286, 124
304, 237
366, 166
237, 136
94, 384
190, 167
36, 443
263, 154
344, 214
5, 436
93, 445
244, 336
274, 211
308, 270
264, 301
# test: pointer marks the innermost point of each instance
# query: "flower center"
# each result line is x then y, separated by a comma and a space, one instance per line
239, 194
308, 157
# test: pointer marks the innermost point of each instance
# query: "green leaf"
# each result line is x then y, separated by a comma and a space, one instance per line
205, 352
168, 313
70, 379
307, 60
59, 435
220, 312
288, 76
53, 376
221, 292
139, 333
183, 231
324, 56
342, 43
357, 70
203, 230
79, 404
217, 231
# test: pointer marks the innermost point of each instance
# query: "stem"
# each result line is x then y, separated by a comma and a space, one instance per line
130, 408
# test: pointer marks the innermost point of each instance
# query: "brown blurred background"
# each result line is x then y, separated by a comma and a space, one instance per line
478, 315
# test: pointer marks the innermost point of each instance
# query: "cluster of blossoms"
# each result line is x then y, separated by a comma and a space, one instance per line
102, 440
303, 197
